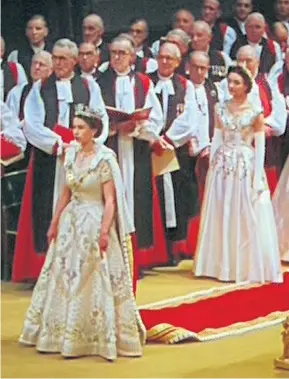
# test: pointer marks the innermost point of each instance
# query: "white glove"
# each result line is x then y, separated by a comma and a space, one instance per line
217, 141
258, 184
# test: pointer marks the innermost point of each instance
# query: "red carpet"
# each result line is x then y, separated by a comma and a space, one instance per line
212, 313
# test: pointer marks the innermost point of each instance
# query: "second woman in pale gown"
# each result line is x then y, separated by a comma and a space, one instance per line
238, 238
281, 209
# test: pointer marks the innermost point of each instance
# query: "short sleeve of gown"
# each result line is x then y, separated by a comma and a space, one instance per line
105, 172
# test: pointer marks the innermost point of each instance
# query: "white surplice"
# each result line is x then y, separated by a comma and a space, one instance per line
44, 138
14, 98
180, 132
21, 78
11, 127
149, 130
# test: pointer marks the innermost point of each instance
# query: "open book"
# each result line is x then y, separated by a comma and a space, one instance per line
8, 148
165, 163
117, 115
9, 161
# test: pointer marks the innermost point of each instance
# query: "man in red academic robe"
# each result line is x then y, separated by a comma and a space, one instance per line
49, 104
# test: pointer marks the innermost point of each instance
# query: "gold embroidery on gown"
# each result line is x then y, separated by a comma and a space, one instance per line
238, 238
82, 304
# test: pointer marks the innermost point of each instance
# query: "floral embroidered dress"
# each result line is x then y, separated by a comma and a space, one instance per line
281, 209
83, 304
238, 238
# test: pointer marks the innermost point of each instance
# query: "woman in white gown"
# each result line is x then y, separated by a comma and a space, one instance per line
83, 302
238, 238
281, 209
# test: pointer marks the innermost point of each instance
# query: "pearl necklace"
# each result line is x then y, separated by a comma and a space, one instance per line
85, 154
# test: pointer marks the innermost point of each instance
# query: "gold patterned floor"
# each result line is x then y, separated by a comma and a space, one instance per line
250, 355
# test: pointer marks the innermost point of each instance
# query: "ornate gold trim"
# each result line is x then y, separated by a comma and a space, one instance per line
168, 334
194, 297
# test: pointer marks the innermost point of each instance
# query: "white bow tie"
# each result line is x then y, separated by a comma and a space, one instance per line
140, 53
64, 91
165, 87
123, 84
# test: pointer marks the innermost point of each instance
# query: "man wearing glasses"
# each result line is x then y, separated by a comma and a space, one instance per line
127, 90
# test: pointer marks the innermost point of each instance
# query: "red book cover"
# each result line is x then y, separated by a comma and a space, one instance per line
116, 115
65, 133
8, 149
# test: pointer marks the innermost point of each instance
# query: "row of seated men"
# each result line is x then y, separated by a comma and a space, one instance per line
182, 113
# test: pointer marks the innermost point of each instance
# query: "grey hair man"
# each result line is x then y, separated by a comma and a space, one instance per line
48, 114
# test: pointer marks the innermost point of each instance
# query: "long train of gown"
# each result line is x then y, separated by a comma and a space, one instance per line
281, 209
238, 238
83, 304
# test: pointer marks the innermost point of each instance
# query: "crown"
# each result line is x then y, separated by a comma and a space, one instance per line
247, 72
85, 111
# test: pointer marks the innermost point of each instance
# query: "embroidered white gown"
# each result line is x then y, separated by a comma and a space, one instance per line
82, 304
238, 238
281, 209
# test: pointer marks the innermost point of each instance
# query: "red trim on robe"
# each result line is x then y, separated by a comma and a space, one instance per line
14, 69
272, 173
27, 263
157, 254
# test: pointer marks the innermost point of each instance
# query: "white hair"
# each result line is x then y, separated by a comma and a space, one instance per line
247, 49
173, 48
90, 44
199, 53
45, 55
255, 16
125, 37
179, 33
67, 43
95, 19
204, 25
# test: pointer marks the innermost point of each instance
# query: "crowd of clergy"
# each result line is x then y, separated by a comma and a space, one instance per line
180, 77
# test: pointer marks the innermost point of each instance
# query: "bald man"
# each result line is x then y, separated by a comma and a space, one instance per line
268, 51
183, 19
201, 41
93, 30
41, 68
177, 190
12, 73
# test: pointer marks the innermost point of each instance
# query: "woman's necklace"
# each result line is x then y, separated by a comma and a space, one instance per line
85, 154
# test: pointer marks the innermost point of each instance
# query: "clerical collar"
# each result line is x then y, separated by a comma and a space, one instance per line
37, 49
253, 44
99, 43
199, 85
126, 73
67, 79
90, 72
165, 77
